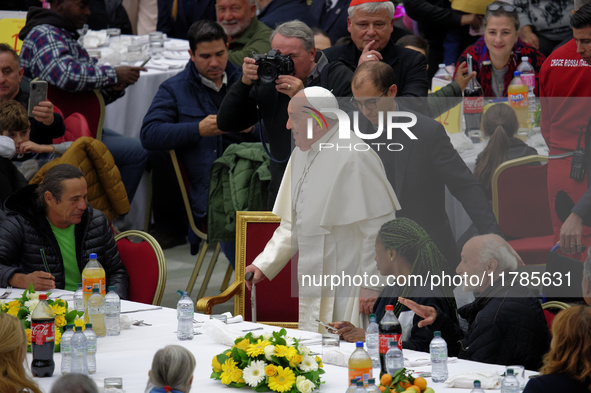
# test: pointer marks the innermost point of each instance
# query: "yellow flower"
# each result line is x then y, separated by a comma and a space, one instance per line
270, 370
295, 360
319, 361
58, 309
28, 332
257, 349
282, 351
217, 367
80, 322
226, 378
13, 311
229, 365
60, 321
283, 381
228, 371
58, 336
236, 375
243, 344
14, 303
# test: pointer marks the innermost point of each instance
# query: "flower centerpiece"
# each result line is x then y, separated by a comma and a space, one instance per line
23, 307
271, 361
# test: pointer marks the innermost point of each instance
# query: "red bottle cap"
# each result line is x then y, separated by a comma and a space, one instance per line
389, 307
42, 296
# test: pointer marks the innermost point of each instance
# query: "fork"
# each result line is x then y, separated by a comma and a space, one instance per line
7, 293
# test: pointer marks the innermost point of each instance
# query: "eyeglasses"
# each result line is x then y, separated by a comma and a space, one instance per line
496, 6
369, 104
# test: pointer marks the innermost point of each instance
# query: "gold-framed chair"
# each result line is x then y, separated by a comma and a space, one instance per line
555, 304
276, 304
90, 104
182, 180
146, 266
551, 309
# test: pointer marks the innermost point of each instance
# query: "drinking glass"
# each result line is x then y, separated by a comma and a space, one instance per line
330, 341
113, 385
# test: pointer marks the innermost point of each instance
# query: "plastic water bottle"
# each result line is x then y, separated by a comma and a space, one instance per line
390, 329
360, 388
477, 388
372, 341
394, 358
371, 386
532, 106
79, 359
66, 349
96, 312
184, 309
438, 350
443, 74
528, 74
360, 366
79, 299
90, 348
510, 383
112, 312
352, 387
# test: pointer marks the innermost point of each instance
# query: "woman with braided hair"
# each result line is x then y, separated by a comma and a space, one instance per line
403, 251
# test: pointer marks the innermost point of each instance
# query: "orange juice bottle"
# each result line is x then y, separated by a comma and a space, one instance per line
360, 365
517, 92
93, 273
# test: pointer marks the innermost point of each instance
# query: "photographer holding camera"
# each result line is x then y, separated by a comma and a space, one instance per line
269, 81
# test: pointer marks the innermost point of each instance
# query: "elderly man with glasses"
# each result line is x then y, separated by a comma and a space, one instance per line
420, 168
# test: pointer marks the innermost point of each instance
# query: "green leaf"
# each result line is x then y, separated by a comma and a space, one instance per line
71, 316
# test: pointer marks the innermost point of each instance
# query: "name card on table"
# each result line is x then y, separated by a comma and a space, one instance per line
11, 23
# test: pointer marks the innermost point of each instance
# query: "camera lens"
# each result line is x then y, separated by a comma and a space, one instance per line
267, 73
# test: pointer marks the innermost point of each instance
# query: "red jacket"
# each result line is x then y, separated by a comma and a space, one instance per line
564, 74
483, 66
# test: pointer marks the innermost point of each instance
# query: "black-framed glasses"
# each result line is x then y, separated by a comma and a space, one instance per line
369, 104
496, 6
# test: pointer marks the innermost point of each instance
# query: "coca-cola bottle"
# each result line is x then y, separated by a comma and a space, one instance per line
42, 338
390, 329
473, 103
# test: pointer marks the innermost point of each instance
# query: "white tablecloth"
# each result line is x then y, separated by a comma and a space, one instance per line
130, 354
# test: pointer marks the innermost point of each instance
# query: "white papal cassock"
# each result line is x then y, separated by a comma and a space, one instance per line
332, 204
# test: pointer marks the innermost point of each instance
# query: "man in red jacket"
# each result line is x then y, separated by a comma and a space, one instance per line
565, 92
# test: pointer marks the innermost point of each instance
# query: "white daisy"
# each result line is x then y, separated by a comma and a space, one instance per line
304, 385
31, 304
254, 373
267, 336
33, 296
308, 364
269, 351
289, 341
304, 350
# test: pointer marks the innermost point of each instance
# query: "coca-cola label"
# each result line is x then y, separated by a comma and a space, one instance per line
529, 80
473, 104
42, 333
385, 342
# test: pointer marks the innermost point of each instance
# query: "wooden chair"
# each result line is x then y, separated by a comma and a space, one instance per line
276, 304
89, 103
520, 204
183, 182
145, 265
551, 309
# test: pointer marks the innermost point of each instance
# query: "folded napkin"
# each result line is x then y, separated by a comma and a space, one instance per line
163, 64
460, 142
175, 55
488, 380
93, 39
177, 45
231, 319
419, 362
220, 332
337, 355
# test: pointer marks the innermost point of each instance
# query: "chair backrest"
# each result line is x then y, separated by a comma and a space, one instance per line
551, 309
145, 265
520, 197
183, 181
89, 103
76, 126
276, 300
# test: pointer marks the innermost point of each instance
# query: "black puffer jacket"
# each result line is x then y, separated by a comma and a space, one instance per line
507, 326
26, 230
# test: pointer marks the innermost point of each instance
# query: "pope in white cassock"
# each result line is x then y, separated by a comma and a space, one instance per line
332, 204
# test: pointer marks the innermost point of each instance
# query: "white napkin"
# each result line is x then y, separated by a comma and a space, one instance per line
231, 319
488, 380
176, 55
177, 46
93, 39
419, 362
336, 355
460, 142
163, 64
220, 332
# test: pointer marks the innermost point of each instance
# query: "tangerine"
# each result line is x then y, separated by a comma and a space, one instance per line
405, 384
382, 388
386, 379
415, 387
421, 383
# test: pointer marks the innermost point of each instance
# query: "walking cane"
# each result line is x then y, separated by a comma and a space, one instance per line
253, 296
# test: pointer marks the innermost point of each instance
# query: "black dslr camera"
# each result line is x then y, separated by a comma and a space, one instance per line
273, 64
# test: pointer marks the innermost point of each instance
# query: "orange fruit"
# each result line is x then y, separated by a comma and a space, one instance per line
421, 383
382, 388
405, 384
386, 379
415, 387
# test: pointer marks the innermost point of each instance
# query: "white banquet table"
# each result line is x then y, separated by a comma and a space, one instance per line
130, 355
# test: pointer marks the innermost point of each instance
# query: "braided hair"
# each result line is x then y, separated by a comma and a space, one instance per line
411, 241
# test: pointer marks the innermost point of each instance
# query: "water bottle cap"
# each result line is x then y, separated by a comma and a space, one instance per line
442, 65
42, 296
79, 285
524, 58
359, 344
437, 333
517, 73
112, 288
509, 371
78, 329
89, 326
359, 383
95, 290
92, 255
353, 381
371, 381
393, 343
185, 293
70, 326
372, 316
389, 307
476, 383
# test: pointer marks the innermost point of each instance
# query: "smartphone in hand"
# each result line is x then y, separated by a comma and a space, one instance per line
38, 93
